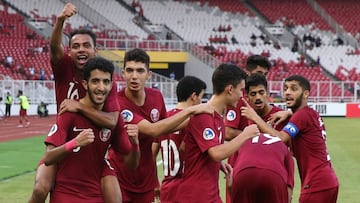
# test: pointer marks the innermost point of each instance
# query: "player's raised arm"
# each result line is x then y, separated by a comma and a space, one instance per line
56, 48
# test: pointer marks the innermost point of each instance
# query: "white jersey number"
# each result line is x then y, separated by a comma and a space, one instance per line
271, 140
170, 153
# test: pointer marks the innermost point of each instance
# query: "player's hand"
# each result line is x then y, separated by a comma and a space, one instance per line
85, 137
68, 11
228, 170
157, 194
69, 105
251, 131
133, 133
279, 117
248, 111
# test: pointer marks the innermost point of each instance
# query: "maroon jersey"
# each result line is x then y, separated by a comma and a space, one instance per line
144, 178
68, 85
79, 173
308, 134
201, 173
172, 160
273, 110
233, 117
266, 152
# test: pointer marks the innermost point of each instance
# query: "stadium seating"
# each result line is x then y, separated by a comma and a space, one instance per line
344, 12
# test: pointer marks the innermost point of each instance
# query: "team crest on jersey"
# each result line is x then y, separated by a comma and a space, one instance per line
53, 130
154, 115
104, 134
208, 134
127, 115
231, 115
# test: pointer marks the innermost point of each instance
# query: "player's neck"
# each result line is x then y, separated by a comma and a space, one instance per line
218, 104
87, 101
267, 108
137, 97
183, 105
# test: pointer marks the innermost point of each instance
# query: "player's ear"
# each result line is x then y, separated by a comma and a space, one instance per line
306, 94
229, 89
84, 84
149, 75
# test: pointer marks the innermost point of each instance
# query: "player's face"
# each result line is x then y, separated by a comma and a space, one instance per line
260, 70
136, 74
99, 86
236, 93
257, 97
82, 48
294, 95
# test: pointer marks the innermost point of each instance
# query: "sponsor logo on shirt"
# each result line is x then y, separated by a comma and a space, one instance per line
127, 115
231, 115
208, 134
75, 129
104, 134
154, 115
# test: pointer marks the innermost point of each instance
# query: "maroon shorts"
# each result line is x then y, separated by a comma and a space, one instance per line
22, 112
328, 196
258, 185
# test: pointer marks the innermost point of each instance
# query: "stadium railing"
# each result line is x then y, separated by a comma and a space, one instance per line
321, 91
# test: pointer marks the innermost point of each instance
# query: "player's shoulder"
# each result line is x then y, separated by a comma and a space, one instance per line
153, 92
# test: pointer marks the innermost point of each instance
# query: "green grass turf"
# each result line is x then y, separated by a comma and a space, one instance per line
20, 156
343, 140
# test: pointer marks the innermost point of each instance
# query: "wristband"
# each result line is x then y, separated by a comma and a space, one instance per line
135, 147
70, 145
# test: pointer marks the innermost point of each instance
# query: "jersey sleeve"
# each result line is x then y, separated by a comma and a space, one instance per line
296, 122
234, 119
111, 102
121, 142
203, 130
58, 132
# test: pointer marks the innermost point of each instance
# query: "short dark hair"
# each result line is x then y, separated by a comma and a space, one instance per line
303, 82
98, 63
255, 80
83, 32
137, 55
254, 61
188, 85
226, 74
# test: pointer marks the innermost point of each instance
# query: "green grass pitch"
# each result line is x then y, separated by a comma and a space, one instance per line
19, 160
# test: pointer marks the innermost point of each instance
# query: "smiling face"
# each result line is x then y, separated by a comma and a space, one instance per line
98, 87
136, 74
295, 97
82, 48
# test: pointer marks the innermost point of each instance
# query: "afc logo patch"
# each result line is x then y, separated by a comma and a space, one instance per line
231, 115
127, 115
154, 115
208, 134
